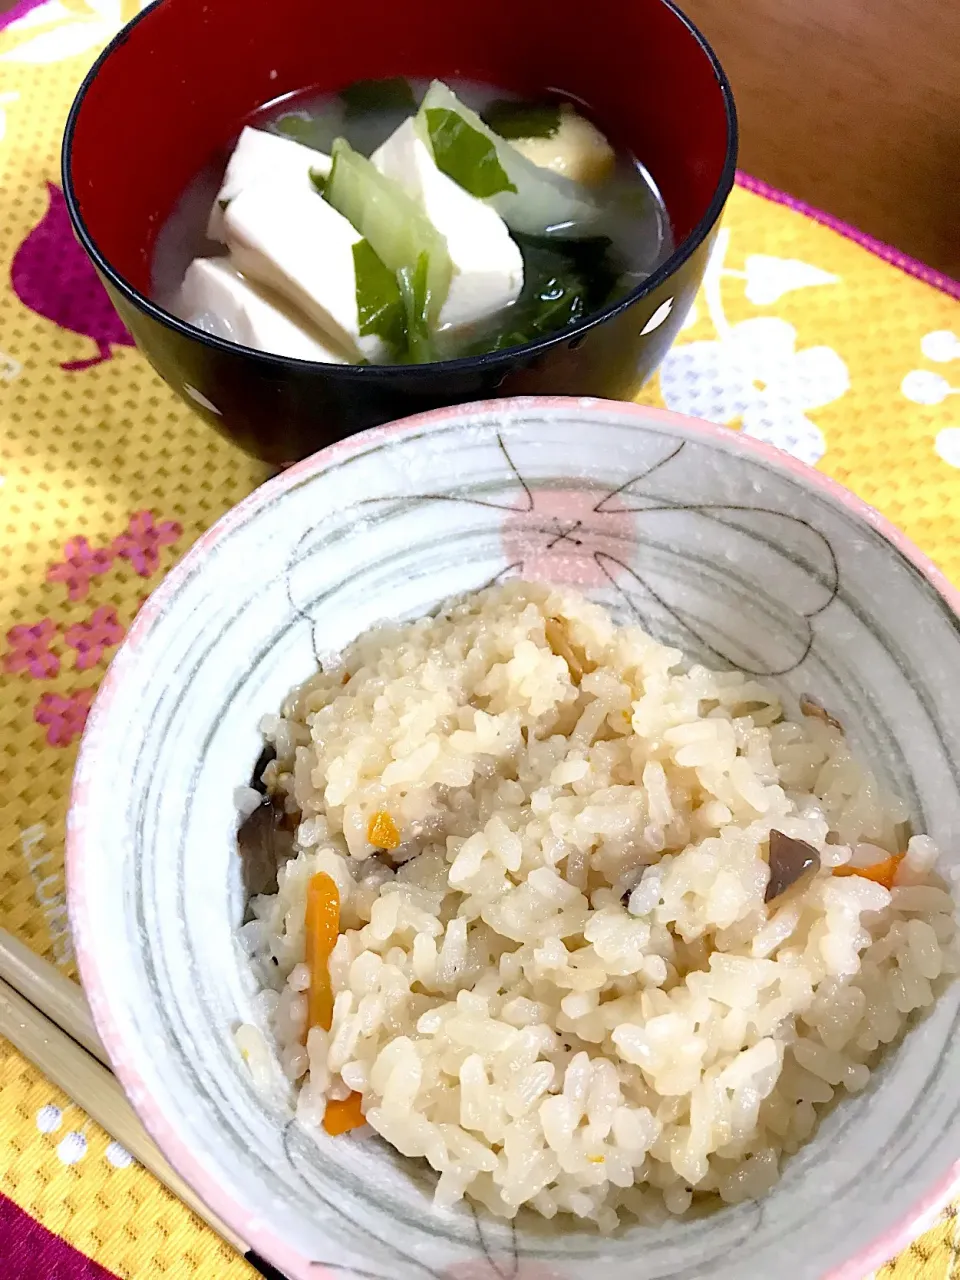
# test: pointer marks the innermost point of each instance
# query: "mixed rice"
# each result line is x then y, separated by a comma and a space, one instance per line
575, 970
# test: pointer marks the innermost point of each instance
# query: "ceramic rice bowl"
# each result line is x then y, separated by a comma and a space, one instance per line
719, 545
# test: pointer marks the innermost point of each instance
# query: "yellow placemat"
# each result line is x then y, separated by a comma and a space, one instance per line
801, 336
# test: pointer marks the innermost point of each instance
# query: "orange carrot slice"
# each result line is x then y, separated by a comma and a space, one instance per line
880, 872
382, 831
322, 927
341, 1117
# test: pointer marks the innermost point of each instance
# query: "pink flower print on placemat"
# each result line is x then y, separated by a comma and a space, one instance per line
30, 650
142, 540
64, 716
93, 638
80, 563
53, 276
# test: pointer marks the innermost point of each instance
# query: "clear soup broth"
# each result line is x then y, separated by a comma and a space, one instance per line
565, 278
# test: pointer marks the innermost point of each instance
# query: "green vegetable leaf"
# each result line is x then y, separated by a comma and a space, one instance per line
533, 200
379, 303
465, 155
564, 282
319, 180
594, 259
560, 302
415, 291
300, 129
556, 302
396, 226
393, 94
512, 119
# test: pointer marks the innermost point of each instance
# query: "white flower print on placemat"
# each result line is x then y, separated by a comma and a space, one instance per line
924, 386
73, 1146
49, 1118
753, 372
118, 1156
768, 279
55, 31
947, 445
940, 346
9, 368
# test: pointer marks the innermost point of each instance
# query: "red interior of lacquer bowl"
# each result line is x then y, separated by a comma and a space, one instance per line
190, 71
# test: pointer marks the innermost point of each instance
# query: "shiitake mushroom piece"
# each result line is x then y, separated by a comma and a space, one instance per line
264, 838
266, 756
790, 861
263, 844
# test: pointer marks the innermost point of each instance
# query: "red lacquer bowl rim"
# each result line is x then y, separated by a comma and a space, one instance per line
480, 363
918, 1217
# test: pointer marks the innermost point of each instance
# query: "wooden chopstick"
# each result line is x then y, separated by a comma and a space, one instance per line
76, 1066
61, 1000
94, 1089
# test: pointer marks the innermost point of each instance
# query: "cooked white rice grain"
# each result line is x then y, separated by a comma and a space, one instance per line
564, 988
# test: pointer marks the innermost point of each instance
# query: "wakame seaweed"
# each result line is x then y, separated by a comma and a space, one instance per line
563, 282
513, 120
392, 94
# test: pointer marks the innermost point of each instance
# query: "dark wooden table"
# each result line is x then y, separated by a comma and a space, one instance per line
851, 105
854, 106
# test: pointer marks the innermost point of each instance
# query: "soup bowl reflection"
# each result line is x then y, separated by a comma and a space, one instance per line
173, 89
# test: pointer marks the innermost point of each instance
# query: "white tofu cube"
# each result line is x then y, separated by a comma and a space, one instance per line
218, 299
265, 159
487, 266
293, 242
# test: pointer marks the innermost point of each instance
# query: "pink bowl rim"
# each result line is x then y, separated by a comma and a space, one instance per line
918, 1218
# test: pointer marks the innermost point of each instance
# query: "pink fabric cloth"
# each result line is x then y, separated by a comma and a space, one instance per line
911, 266
31, 1252
19, 10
